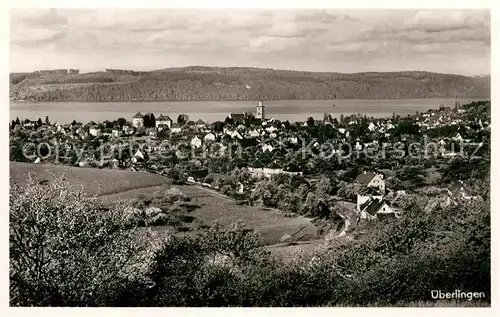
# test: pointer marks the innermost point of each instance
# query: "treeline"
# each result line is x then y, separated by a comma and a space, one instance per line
124, 72
204, 83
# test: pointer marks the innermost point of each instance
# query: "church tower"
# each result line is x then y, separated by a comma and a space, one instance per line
260, 112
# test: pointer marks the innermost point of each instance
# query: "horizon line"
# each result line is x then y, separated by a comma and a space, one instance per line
254, 67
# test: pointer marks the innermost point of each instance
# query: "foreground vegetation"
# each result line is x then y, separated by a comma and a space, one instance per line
67, 250
215, 83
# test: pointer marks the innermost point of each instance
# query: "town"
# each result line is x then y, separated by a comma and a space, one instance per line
371, 167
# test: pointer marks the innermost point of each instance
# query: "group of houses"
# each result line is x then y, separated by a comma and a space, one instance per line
371, 203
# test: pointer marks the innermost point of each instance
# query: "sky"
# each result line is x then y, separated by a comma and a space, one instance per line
347, 41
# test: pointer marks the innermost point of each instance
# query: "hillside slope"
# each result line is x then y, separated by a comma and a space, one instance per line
216, 83
92, 181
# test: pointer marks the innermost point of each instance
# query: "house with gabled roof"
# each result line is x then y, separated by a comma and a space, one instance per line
138, 156
138, 120
163, 121
236, 134
371, 127
209, 137
200, 123
459, 190
254, 133
458, 137
196, 142
366, 194
375, 209
370, 179
175, 128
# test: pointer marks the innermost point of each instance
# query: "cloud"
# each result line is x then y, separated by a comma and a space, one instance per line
436, 29
275, 44
303, 39
35, 27
39, 18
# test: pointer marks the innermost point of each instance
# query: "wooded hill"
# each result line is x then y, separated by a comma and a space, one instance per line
239, 83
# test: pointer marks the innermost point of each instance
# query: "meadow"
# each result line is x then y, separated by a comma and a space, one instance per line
205, 209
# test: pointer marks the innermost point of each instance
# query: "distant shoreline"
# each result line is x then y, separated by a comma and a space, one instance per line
243, 100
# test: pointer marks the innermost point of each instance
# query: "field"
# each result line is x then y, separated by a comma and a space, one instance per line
93, 181
208, 207
269, 224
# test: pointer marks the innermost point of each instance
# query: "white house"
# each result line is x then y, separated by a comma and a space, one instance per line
254, 134
175, 128
138, 120
358, 146
373, 180
371, 127
271, 129
94, 131
375, 208
458, 137
209, 137
129, 130
267, 148
137, 156
163, 121
200, 123
236, 134
116, 133
268, 172
196, 142
365, 195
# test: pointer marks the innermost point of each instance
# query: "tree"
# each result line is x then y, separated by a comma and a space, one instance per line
39, 122
182, 119
218, 126
406, 127
349, 190
47, 121
323, 187
65, 250
16, 152
310, 121
121, 122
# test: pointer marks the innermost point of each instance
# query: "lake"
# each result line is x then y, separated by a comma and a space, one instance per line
292, 110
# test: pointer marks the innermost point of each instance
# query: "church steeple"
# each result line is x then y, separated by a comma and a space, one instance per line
260, 112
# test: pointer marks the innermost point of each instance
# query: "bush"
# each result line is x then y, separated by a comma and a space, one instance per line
65, 250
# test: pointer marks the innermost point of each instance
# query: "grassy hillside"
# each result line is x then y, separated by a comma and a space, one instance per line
125, 186
93, 181
217, 83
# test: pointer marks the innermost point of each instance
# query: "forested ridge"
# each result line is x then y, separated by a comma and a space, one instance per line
239, 83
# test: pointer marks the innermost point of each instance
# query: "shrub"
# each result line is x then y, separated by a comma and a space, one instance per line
66, 251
